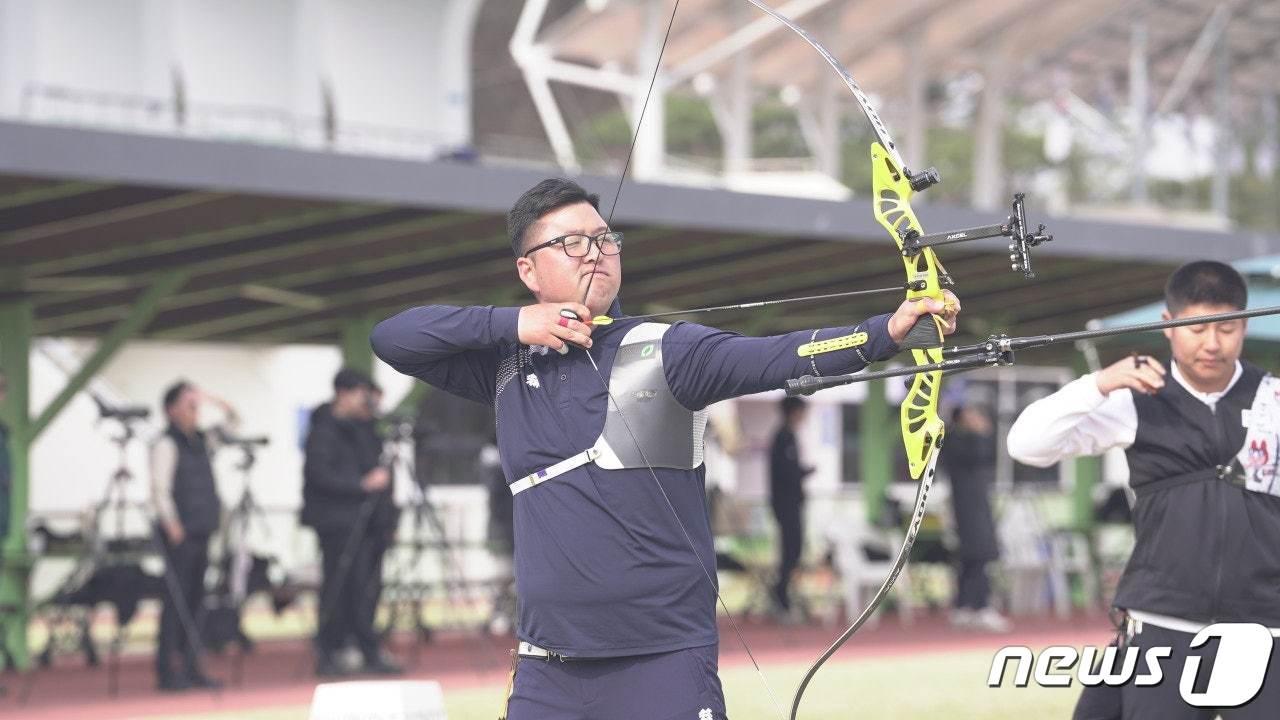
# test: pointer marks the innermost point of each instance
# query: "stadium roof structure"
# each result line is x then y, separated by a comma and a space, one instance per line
273, 245
879, 42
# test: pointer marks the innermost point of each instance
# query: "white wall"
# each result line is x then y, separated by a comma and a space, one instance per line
271, 387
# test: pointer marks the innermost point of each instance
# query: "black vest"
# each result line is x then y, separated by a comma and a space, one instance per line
1207, 546
194, 491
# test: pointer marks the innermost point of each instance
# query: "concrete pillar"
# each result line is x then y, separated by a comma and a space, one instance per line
651, 135
914, 150
1139, 106
988, 156
1221, 190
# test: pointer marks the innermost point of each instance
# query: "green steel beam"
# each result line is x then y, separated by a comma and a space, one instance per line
876, 434
108, 217
133, 251
507, 295
418, 286
15, 565
144, 310
512, 294
724, 272
356, 352
338, 301
323, 329
46, 193
720, 286
409, 404
1088, 475
193, 298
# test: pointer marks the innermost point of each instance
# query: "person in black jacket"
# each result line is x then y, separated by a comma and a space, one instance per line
184, 496
1200, 440
346, 499
786, 496
6, 479
969, 459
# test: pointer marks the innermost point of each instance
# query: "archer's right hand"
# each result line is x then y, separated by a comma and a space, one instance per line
174, 531
1142, 373
375, 480
542, 324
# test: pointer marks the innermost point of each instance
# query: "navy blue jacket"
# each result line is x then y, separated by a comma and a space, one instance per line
602, 568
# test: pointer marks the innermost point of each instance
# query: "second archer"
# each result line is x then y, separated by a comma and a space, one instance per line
614, 560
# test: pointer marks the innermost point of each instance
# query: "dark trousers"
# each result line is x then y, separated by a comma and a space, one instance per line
1164, 701
791, 545
186, 564
973, 585
350, 589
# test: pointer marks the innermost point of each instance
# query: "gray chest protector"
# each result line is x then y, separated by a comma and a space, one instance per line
666, 434
652, 429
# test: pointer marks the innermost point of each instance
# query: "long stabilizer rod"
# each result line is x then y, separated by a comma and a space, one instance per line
998, 350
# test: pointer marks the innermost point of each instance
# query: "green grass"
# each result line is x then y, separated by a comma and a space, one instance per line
918, 687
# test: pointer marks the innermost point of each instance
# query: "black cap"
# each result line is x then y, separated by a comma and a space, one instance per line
349, 379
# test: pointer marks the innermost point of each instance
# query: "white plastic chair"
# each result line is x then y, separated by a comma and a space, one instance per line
860, 577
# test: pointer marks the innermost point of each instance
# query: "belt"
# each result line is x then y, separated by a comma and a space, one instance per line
525, 649
1228, 473
1190, 627
560, 468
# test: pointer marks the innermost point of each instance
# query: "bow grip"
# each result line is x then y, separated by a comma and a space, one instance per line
926, 333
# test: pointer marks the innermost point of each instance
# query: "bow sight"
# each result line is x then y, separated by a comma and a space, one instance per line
1014, 228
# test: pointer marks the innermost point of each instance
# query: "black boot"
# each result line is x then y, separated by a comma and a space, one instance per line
169, 682
327, 666
198, 679
381, 665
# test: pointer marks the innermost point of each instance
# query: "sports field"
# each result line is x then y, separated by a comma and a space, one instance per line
927, 686
927, 670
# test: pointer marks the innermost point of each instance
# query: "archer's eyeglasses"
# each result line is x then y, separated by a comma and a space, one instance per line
576, 246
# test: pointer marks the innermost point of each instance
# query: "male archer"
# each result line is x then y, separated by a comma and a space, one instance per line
1207, 516
613, 548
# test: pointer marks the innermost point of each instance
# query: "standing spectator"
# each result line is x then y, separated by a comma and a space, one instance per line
969, 458
6, 483
185, 499
346, 499
786, 496
6, 478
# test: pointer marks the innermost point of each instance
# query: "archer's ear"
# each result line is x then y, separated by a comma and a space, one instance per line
528, 276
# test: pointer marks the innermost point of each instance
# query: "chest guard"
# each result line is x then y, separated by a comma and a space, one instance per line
668, 434
652, 430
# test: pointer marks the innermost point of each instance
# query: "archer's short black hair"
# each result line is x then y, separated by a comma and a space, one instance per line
174, 392
1205, 282
350, 379
548, 195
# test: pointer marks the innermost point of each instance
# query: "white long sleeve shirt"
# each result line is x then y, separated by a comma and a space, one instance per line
1078, 420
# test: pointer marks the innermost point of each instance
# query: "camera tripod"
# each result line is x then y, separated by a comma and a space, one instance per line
236, 563
427, 533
